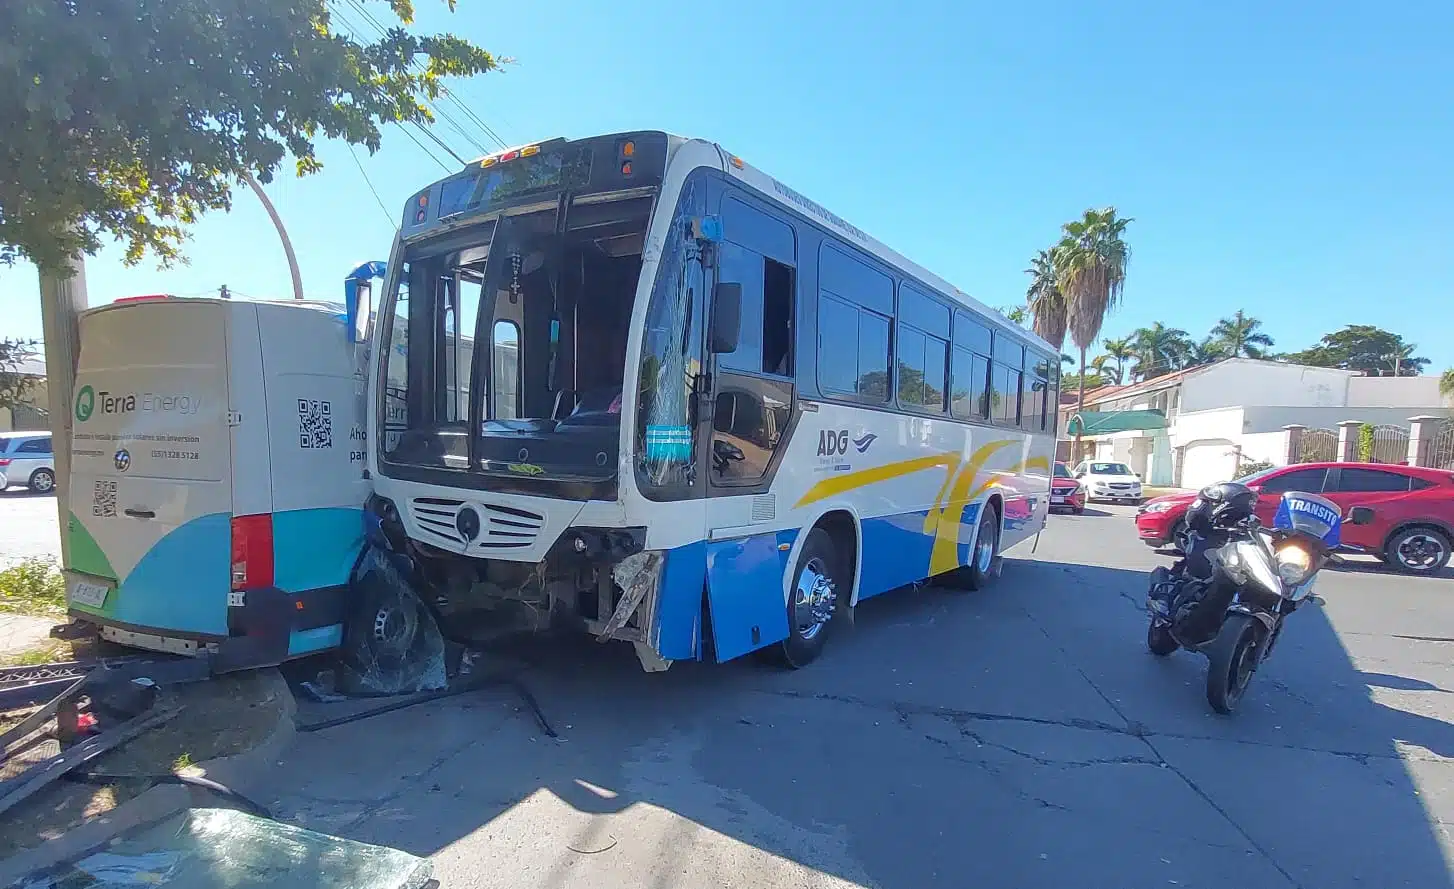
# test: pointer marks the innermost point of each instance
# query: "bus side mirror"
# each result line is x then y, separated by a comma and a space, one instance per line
1360, 515
726, 317
359, 305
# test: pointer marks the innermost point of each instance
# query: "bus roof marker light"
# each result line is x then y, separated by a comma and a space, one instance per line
735, 160
628, 149
530, 151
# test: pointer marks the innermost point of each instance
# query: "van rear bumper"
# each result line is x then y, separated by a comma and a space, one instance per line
269, 627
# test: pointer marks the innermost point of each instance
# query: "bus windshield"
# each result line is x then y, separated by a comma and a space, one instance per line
533, 312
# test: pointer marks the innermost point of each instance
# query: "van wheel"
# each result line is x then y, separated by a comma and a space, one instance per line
818, 583
979, 573
42, 481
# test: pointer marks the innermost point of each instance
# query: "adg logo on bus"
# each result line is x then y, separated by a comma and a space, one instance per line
89, 401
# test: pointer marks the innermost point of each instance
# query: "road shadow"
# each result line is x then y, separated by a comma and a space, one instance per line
1020, 735
1090, 513
1373, 565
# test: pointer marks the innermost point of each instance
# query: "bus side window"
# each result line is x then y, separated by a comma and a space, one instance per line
758, 254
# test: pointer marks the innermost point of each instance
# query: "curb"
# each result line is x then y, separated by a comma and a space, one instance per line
160, 802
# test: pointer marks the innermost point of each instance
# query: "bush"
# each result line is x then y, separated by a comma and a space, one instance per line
33, 586
1250, 466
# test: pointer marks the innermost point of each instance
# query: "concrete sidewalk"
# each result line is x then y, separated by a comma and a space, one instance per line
19, 632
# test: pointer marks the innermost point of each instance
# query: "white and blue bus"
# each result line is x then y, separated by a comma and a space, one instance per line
630, 384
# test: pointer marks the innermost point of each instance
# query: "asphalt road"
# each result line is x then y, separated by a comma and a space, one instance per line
27, 526
1018, 737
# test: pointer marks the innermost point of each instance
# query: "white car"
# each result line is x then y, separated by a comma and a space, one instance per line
1109, 481
26, 459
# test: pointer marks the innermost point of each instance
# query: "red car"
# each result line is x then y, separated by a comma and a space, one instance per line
1065, 492
1413, 509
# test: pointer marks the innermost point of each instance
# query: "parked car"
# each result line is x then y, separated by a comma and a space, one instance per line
1412, 527
1065, 492
26, 459
1109, 481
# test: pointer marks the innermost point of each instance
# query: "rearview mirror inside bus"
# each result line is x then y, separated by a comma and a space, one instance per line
726, 317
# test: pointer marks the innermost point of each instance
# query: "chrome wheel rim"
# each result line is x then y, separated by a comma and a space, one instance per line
44, 482
1421, 552
394, 626
813, 599
984, 549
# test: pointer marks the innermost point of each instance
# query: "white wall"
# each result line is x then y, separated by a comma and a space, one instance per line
1243, 381
1419, 393
1268, 446
1221, 423
1271, 419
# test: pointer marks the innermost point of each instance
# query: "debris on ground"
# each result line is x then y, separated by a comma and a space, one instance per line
206, 848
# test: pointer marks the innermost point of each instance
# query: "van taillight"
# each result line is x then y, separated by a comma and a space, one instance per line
4, 461
252, 551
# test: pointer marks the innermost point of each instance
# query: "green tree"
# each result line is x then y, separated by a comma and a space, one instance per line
1446, 383
1240, 336
1017, 314
1364, 348
127, 120
1090, 264
14, 385
1045, 301
1112, 364
1159, 350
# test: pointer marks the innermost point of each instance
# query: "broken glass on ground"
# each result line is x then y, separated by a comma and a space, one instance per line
223, 849
392, 645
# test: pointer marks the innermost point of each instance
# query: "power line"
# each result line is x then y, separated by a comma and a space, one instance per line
358, 163
425, 149
444, 115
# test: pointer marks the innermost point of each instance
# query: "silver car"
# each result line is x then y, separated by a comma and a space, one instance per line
26, 459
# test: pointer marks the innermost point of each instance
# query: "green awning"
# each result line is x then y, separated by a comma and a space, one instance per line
1106, 422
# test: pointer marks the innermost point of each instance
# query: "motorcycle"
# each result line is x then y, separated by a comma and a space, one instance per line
1238, 581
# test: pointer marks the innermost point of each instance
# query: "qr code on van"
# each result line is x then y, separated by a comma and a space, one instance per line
103, 500
315, 424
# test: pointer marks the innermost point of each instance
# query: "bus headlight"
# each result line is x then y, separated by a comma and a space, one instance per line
1294, 563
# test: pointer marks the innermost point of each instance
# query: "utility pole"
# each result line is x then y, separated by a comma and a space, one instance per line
62, 299
282, 233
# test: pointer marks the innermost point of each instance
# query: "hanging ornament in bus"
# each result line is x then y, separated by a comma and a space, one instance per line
515, 260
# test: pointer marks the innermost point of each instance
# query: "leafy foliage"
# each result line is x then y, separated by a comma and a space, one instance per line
32, 586
14, 385
1446, 383
1017, 314
1045, 300
129, 119
1240, 336
1365, 443
1365, 348
1090, 264
1159, 350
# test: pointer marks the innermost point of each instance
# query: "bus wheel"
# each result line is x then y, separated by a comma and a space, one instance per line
811, 601
980, 571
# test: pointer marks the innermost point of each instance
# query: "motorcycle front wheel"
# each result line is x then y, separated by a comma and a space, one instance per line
1159, 639
1233, 660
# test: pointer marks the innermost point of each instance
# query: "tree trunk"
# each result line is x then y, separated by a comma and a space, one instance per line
1080, 406
61, 302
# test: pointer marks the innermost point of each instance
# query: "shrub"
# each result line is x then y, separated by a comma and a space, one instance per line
33, 586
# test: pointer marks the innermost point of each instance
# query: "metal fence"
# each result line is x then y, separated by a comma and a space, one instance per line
1318, 446
1441, 446
1387, 444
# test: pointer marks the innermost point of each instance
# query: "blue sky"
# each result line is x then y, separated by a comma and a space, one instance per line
1293, 162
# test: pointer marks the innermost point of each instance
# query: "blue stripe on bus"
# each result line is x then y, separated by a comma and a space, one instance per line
679, 605
896, 550
745, 592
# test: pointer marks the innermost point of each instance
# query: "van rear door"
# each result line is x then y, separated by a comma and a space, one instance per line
149, 532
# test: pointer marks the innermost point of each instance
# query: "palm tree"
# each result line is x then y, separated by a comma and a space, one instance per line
1159, 350
1090, 265
1446, 383
1045, 301
1207, 351
1017, 314
1239, 337
1118, 352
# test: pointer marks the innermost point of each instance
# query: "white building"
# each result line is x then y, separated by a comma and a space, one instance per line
1238, 410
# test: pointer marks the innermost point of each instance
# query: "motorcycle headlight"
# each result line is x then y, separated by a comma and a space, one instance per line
1294, 563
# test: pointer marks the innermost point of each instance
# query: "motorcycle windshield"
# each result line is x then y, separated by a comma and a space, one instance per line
1309, 514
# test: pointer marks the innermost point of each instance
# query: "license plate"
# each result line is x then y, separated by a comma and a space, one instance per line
1055, 499
92, 595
